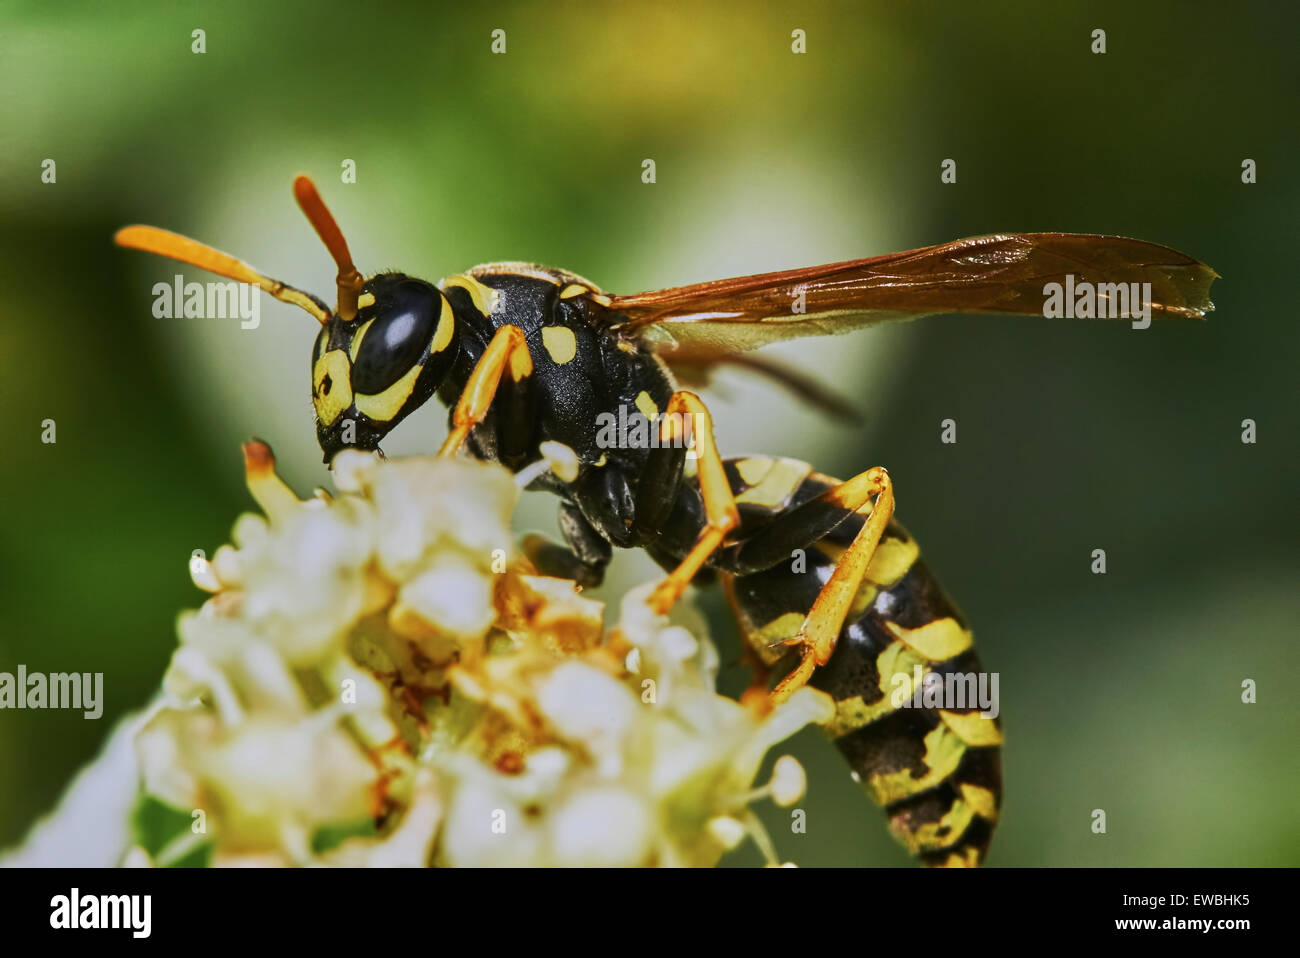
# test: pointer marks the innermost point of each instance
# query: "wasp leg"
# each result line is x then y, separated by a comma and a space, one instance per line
821, 627
756, 693
656, 492
507, 351
686, 413
800, 527
585, 559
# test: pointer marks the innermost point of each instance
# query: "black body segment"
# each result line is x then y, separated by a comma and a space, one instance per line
579, 371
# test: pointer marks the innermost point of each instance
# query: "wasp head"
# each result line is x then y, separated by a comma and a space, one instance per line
371, 372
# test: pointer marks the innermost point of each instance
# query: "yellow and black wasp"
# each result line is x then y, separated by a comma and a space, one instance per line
827, 587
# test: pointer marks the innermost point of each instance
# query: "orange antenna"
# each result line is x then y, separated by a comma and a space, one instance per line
151, 239
349, 280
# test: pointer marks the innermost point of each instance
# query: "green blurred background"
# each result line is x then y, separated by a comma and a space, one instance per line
1119, 692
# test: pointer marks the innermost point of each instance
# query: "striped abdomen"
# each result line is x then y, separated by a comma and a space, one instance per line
935, 768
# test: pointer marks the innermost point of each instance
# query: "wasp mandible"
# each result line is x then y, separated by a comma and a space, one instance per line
525, 356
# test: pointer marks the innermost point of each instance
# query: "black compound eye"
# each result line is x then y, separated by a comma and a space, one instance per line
398, 337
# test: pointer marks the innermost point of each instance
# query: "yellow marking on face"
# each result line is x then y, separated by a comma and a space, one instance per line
972, 727
938, 641
933, 835
983, 801
334, 365
891, 560
943, 752
365, 299
572, 290
753, 470
646, 405
777, 484
560, 343
356, 339
601, 461
446, 326
383, 406
485, 298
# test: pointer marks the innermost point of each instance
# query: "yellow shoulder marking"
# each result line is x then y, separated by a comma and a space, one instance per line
484, 297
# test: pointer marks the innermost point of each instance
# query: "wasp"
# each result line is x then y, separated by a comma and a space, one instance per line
828, 589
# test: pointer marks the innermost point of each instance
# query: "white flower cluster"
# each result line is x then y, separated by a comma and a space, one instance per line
379, 679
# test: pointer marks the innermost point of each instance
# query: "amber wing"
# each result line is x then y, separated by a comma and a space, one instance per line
1003, 273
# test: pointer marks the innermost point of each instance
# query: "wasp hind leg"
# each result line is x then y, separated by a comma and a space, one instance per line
821, 627
507, 353
719, 505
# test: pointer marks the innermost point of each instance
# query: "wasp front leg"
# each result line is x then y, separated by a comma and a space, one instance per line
506, 356
585, 558
800, 527
687, 415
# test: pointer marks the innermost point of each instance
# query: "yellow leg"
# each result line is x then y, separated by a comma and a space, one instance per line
507, 350
719, 505
821, 628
